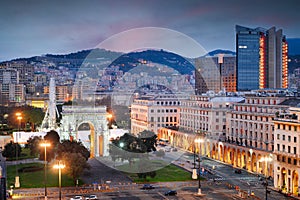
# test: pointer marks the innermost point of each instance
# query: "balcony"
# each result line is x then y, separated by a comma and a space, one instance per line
283, 153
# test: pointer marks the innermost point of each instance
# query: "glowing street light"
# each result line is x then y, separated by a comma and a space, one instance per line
194, 176
45, 145
59, 166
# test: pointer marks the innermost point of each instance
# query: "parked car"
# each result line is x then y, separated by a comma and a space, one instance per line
147, 187
92, 196
238, 171
170, 193
77, 198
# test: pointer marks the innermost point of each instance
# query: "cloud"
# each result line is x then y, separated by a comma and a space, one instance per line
64, 26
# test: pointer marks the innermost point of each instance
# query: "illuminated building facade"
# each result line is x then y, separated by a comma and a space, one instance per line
261, 58
153, 112
287, 151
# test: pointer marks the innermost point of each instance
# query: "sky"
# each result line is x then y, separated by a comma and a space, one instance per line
36, 27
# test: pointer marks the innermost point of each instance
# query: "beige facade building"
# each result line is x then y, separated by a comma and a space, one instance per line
287, 151
154, 112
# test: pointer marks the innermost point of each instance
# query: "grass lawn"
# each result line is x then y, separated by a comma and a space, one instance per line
166, 174
36, 179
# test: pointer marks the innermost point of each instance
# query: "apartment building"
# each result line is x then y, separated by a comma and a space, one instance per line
287, 150
153, 112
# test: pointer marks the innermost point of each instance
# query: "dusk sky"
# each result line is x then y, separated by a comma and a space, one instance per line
32, 28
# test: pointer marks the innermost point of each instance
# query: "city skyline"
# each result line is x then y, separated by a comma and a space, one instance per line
34, 28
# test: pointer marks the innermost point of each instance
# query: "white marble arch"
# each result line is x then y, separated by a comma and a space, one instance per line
73, 116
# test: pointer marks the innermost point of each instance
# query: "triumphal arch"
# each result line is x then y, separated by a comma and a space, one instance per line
96, 118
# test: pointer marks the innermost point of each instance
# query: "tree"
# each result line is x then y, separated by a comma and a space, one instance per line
10, 150
68, 146
131, 148
75, 164
33, 143
148, 139
53, 138
75, 156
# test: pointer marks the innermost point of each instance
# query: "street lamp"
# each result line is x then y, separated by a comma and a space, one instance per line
17, 179
266, 160
199, 167
45, 145
59, 166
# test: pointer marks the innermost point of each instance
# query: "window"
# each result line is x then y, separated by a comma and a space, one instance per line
152, 119
289, 138
295, 161
278, 137
295, 128
158, 119
278, 126
283, 137
289, 149
152, 111
278, 147
158, 111
295, 139
289, 160
295, 150
283, 148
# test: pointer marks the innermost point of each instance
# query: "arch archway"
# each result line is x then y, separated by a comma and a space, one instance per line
243, 159
295, 182
96, 118
253, 162
238, 157
283, 179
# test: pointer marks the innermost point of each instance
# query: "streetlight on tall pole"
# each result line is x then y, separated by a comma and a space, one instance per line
17, 179
59, 166
45, 145
199, 140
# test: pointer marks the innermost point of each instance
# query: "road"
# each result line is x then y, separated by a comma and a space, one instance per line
221, 184
225, 175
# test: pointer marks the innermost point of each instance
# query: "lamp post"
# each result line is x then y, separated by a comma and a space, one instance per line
266, 160
45, 145
59, 166
199, 166
17, 179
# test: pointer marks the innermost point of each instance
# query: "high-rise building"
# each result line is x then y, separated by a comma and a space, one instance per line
261, 58
211, 69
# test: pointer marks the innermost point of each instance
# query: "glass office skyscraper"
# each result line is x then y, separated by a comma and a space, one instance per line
261, 58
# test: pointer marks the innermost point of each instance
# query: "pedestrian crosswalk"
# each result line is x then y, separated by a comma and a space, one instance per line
246, 178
